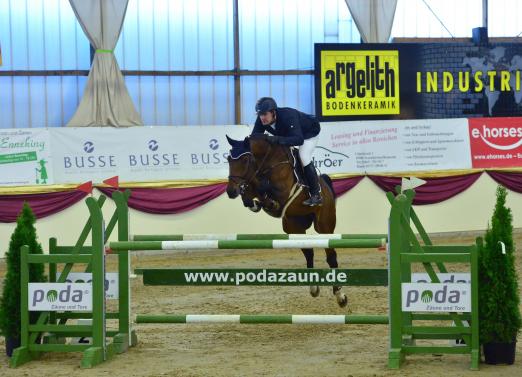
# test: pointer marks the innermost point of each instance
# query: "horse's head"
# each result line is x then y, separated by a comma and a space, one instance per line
241, 169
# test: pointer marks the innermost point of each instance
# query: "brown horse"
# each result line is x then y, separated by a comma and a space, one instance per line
263, 175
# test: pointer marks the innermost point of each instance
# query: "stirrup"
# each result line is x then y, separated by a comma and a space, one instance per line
313, 200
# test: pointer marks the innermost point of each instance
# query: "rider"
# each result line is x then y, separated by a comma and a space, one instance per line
291, 127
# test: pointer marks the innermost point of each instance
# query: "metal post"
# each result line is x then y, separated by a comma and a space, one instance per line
485, 13
237, 66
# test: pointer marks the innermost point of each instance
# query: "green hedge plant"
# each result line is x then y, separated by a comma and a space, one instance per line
24, 234
499, 299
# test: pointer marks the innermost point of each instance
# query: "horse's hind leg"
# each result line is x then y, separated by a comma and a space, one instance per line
331, 259
309, 256
293, 225
325, 223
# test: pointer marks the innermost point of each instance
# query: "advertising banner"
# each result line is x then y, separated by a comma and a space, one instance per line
393, 146
417, 80
25, 157
149, 154
141, 154
444, 277
496, 142
436, 297
60, 297
111, 282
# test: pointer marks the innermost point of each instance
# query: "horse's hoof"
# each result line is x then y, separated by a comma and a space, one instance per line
342, 299
314, 290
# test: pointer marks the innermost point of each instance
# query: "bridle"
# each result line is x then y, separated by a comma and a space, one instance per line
243, 181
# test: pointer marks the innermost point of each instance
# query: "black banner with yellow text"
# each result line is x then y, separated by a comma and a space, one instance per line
417, 81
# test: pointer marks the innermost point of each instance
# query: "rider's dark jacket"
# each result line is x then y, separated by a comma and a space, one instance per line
292, 126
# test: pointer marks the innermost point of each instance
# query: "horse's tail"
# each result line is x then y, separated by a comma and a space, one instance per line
329, 182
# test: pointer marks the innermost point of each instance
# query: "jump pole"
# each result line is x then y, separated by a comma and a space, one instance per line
289, 319
247, 244
253, 236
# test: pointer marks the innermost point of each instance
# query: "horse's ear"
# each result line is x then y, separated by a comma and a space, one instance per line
232, 142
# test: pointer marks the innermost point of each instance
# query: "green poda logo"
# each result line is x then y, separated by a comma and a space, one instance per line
52, 295
444, 295
66, 295
427, 296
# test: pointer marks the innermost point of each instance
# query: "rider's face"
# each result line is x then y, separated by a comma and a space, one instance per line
267, 118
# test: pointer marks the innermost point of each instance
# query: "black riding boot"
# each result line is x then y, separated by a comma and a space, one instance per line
313, 184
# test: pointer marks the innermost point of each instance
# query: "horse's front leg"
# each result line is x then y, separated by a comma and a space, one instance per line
309, 256
331, 259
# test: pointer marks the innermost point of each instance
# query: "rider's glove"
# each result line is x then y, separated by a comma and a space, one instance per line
272, 139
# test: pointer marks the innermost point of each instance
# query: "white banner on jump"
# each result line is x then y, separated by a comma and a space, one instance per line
60, 296
436, 297
444, 277
111, 282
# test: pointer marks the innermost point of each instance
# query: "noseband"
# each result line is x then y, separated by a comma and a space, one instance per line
243, 180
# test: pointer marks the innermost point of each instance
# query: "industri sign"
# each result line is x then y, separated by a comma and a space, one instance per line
356, 81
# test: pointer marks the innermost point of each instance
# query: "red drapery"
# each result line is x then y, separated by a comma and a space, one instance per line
435, 190
178, 200
511, 181
170, 200
42, 204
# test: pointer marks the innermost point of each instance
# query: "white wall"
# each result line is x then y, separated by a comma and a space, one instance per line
364, 209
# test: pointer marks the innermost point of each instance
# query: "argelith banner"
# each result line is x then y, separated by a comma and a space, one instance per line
417, 81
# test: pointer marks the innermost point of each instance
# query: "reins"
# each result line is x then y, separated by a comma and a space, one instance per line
272, 166
260, 171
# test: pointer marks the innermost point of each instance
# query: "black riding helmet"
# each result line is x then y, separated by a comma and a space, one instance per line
265, 104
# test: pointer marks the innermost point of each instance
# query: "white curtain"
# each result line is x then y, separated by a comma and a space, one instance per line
374, 18
105, 101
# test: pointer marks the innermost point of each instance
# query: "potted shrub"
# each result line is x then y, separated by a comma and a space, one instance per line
24, 234
499, 300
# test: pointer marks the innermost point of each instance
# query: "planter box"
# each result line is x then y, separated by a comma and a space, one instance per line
10, 345
500, 353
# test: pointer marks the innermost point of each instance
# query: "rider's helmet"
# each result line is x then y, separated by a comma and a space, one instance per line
265, 104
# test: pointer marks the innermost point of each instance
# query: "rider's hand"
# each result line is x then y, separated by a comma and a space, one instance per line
272, 139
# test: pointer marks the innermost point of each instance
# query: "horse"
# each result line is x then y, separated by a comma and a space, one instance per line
263, 175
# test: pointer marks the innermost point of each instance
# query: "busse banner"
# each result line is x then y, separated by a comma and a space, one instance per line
141, 154
417, 81
144, 154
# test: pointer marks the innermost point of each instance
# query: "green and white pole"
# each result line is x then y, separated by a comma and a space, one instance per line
291, 319
248, 244
253, 236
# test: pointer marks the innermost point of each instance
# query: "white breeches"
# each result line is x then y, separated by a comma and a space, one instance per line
307, 149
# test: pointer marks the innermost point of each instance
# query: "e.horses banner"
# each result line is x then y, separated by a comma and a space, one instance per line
417, 81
